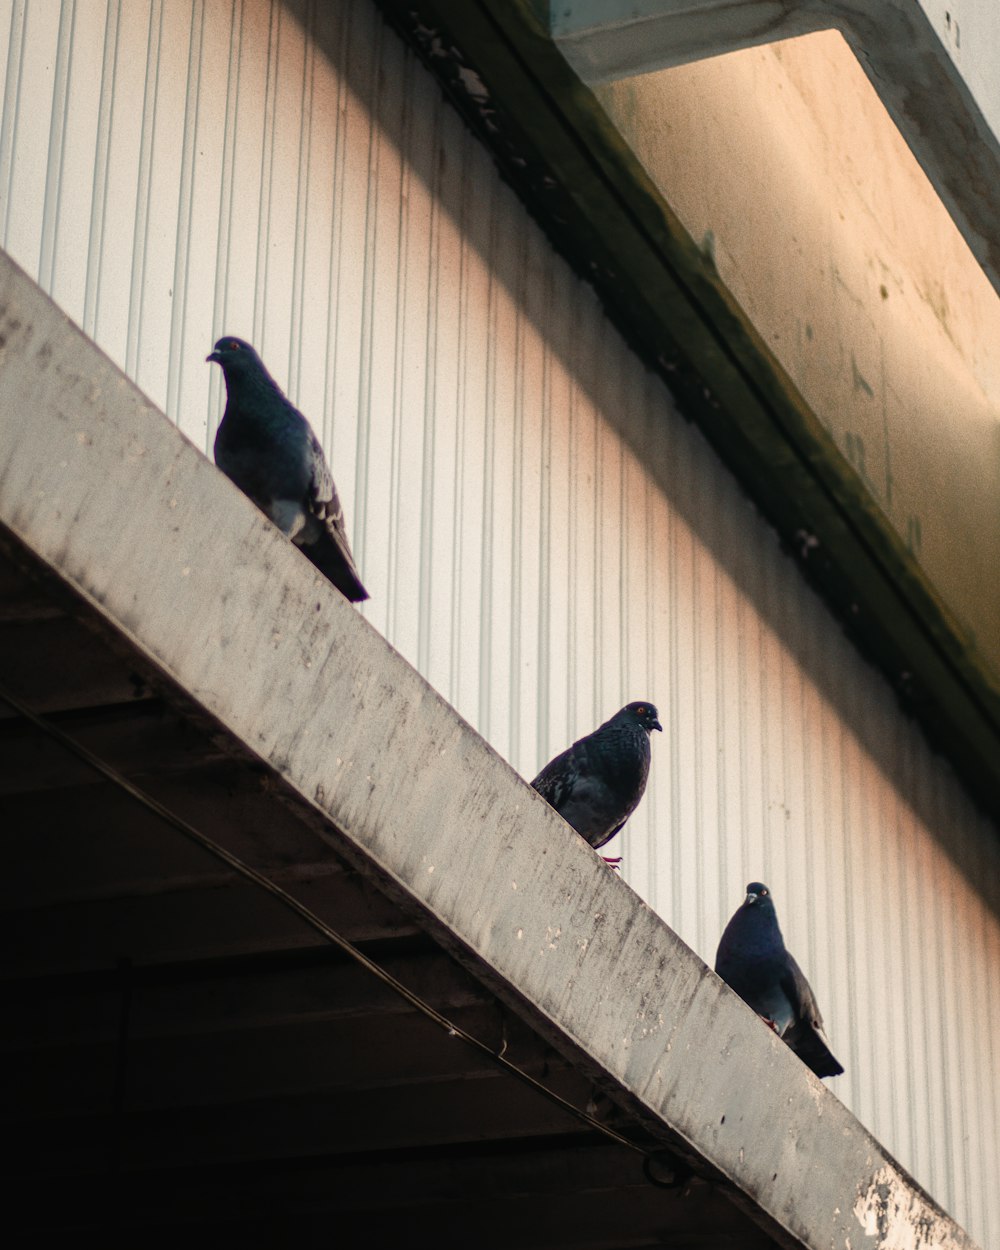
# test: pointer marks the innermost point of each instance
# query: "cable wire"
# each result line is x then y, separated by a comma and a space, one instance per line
311, 919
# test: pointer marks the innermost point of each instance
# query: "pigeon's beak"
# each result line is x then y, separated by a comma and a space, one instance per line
213, 356
656, 725
750, 898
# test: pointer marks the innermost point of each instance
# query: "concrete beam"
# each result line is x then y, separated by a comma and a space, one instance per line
936, 66
108, 497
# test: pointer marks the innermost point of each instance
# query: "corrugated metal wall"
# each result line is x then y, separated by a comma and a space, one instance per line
541, 534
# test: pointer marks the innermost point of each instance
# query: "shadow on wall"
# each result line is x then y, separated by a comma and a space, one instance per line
685, 469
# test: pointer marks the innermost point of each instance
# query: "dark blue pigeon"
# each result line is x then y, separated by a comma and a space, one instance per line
596, 784
753, 961
267, 447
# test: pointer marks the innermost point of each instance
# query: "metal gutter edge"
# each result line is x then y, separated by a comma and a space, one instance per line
576, 175
110, 499
914, 72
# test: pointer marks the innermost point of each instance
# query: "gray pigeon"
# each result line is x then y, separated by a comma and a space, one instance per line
753, 961
267, 447
596, 784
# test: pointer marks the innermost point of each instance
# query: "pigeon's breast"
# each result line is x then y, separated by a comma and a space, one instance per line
623, 762
757, 977
264, 463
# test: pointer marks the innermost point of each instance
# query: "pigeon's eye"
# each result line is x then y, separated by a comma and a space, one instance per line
640, 711
763, 893
233, 346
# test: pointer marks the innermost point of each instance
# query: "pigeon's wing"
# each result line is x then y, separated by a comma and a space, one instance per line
800, 993
330, 552
324, 502
556, 781
806, 1036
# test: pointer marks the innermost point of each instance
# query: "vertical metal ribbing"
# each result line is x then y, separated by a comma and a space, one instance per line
16, 32
849, 797
917, 1068
367, 363
803, 816
491, 348
884, 952
401, 330
266, 184
861, 929
658, 845
545, 585
948, 975
460, 297
574, 541
727, 787
694, 893
673, 723
337, 32
520, 437
95, 249
140, 237
56, 149
595, 578
935, 883
628, 668
589, 571
427, 563
185, 220
990, 1033
302, 202
224, 227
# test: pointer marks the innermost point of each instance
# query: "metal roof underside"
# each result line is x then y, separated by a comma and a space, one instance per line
187, 1054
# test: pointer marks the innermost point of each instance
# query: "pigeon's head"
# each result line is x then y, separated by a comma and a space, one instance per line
758, 895
235, 355
643, 714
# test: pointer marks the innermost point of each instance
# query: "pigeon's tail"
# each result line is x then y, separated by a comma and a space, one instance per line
329, 557
811, 1047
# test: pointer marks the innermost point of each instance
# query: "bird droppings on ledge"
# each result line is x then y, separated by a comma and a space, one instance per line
807, 543
473, 84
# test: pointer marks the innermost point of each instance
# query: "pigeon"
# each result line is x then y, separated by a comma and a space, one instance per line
753, 961
267, 447
596, 784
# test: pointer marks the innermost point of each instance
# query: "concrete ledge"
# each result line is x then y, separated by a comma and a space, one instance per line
939, 91
111, 499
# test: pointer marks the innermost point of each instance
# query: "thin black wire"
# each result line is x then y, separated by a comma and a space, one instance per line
292, 903
121, 1068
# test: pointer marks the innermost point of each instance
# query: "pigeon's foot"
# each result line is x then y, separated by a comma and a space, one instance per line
614, 862
770, 1024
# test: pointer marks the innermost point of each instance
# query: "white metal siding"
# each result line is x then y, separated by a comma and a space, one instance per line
540, 532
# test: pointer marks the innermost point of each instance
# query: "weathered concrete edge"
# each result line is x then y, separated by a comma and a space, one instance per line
110, 497
913, 72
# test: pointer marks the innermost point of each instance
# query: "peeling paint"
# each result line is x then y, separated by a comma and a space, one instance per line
890, 1211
